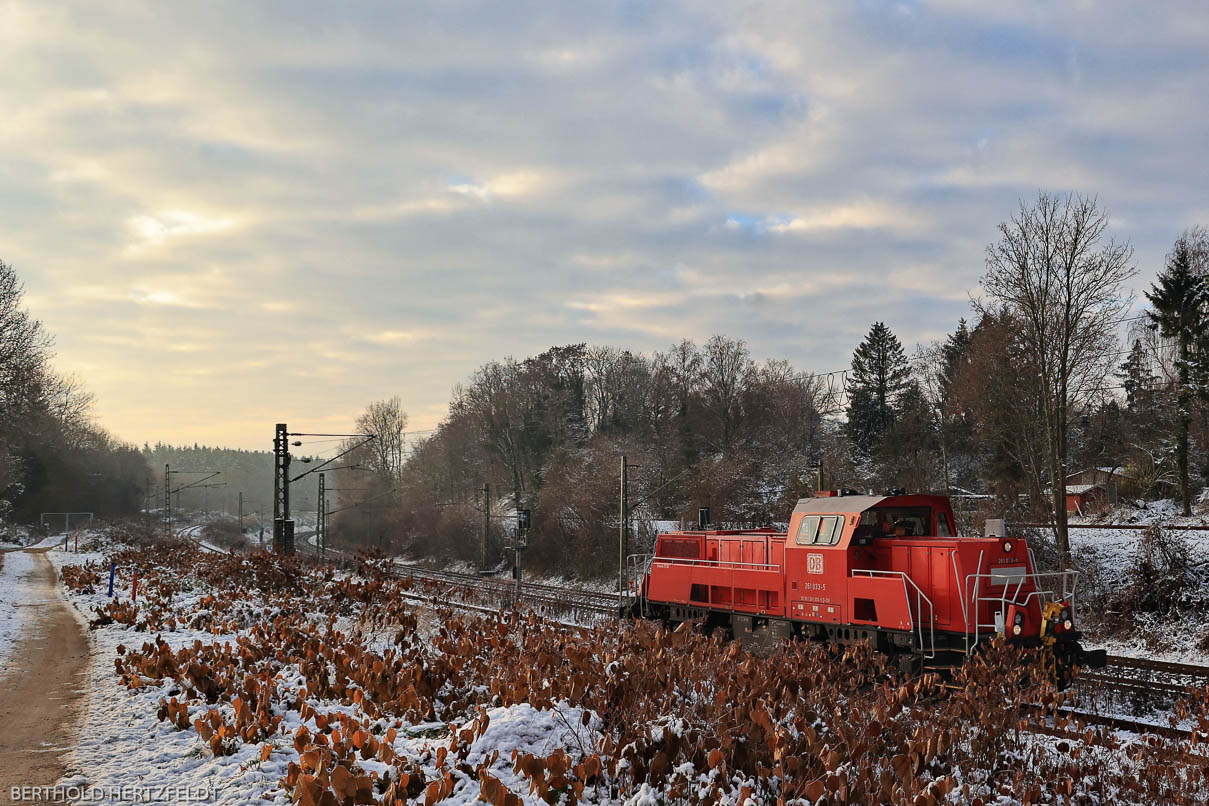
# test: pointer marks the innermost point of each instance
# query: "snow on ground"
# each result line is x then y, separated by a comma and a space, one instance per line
124, 744
51, 541
17, 596
1109, 554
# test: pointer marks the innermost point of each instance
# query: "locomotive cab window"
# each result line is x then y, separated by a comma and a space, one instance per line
898, 521
807, 530
829, 532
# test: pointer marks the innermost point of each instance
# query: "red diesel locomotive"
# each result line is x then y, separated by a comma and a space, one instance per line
889, 570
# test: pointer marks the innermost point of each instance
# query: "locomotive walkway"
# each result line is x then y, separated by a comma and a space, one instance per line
41, 694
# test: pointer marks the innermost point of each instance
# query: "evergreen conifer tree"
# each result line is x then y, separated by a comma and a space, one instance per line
1136, 377
1180, 300
952, 353
876, 383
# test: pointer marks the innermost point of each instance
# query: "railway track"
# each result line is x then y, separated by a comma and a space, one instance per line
555, 601
1146, 687
190, 533
1148, 677
549, 600
1112, 722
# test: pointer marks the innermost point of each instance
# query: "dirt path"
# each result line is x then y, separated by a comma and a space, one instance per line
41, 695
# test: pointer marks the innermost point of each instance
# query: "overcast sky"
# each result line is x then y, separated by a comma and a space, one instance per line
232, 214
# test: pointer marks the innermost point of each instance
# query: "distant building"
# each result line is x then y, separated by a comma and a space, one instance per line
1108, 479
1082, 497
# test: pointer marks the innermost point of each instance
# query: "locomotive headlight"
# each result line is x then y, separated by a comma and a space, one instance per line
1067, 624
1007, 547
1016, 629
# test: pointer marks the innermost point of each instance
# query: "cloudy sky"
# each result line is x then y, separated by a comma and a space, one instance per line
233, 213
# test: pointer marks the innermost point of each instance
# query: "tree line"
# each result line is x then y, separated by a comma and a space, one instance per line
240, 471
1036, 385
53, 457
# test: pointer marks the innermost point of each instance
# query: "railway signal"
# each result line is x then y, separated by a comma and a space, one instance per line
283, 525
519, 544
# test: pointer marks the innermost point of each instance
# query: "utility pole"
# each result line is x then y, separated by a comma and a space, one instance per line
167, 501
622, 529
321, 520
486, 527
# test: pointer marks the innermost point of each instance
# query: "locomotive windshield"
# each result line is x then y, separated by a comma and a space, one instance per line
898, 521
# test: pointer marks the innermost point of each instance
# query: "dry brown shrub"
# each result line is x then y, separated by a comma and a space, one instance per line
799, 722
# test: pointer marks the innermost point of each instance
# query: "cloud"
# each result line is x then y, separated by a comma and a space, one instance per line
862, 215
151, 230
479, 192
145, 296
516, 183
397, 337
246, 214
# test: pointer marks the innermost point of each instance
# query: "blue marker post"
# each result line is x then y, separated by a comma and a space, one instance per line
112, 568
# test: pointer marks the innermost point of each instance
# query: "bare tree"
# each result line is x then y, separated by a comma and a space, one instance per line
24, 347
727, 372
615, 381
684, 364
387, 421
71, 405
1050, 269
929, 374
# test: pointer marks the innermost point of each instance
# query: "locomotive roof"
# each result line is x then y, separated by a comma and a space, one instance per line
837, 504
850, 504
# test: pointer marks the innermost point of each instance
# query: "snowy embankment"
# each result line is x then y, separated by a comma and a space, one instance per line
1109, 560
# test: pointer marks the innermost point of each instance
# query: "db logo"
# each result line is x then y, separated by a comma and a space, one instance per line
814, 563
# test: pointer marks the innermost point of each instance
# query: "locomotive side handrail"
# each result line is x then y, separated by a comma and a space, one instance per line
716, 563
965, 615
639, 567
917, 620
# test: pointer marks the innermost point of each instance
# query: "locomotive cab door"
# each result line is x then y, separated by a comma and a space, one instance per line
816, 568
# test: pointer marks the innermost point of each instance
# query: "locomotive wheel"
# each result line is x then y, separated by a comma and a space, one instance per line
910, 664
1065, 659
